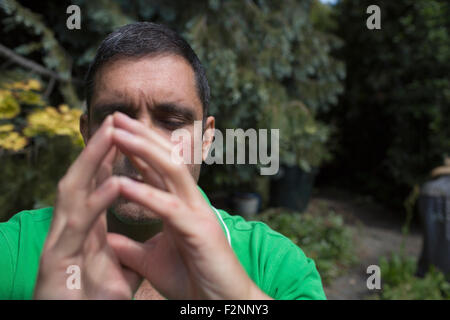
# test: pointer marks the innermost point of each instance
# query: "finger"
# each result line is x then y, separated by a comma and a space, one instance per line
105, 170
137, 128
149, 259
175, 176
133, 126
167, 206
130, 253
149, 174
84, 168
76, 228
133, 279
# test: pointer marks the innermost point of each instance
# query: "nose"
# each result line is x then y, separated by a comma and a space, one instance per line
146, 119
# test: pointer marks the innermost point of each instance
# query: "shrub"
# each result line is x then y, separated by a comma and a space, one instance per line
37, 145
400, 283
323, 238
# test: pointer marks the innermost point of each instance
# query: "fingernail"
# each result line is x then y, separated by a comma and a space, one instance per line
122, 134
126, 181
120, 115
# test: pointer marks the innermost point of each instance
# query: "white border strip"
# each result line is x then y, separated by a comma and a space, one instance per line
226, 228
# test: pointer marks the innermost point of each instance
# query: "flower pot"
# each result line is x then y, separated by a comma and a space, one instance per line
292, 187
246, 204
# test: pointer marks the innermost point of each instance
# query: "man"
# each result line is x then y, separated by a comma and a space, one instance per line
130, 220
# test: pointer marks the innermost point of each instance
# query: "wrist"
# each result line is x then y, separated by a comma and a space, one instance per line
257, 294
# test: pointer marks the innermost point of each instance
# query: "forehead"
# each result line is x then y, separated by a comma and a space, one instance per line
149, 80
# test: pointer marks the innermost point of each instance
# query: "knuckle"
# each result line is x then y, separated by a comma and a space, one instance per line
178, 168
90, 205
149, 193
112, 182
198, 207
74, 224
174, 204
62, 186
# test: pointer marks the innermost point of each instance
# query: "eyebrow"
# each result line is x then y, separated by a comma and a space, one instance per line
174, 108
103, 109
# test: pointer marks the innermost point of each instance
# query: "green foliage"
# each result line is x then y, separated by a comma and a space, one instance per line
55, 57
23, 113
263, 59
37, 145
270, 69
323, 238
395, 112
29, 178
399, 282
305, 145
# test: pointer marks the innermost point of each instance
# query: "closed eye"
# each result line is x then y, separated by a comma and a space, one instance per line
171, 124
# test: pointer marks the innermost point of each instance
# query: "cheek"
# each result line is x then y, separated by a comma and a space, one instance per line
184, 146
187, 149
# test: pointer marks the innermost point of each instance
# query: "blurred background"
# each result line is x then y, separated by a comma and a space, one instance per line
363, 115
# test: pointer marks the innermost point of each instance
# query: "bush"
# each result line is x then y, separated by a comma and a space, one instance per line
400, 283
37, 145
323, 238
262, 58
394, 115
29, 178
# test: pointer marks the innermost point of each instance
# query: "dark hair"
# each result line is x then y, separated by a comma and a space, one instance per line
142, 39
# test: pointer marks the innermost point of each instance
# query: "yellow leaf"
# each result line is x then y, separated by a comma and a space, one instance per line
33, 84
12, 141
9, 107
6, 128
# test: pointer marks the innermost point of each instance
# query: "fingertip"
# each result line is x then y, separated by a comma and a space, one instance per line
107, 127
117, 115
126, 182
108, 121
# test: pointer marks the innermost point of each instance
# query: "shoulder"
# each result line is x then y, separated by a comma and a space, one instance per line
24, 218
272, 260
24, 228
36, 220
255, 231
21, 239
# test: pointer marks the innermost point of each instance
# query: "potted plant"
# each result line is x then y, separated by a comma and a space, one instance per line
302, 150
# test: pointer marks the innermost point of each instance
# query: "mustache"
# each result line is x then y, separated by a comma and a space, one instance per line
135, 175
127, 169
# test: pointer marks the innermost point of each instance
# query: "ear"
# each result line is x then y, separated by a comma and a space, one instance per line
84, 127
208, 136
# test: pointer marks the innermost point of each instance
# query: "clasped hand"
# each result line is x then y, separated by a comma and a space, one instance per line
189, 259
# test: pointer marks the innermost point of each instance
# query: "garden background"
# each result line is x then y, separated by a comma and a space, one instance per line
363, 114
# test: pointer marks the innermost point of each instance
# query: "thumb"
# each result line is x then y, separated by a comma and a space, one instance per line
132, 254
133, 279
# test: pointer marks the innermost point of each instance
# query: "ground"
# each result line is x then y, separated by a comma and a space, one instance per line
377, 232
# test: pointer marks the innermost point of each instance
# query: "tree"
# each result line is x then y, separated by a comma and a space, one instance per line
395, 112
268, 66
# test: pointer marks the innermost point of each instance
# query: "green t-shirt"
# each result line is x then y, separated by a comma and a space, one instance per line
273, 262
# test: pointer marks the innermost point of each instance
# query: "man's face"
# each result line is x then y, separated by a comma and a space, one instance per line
161, 93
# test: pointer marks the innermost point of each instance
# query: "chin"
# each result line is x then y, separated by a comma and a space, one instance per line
132, 213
